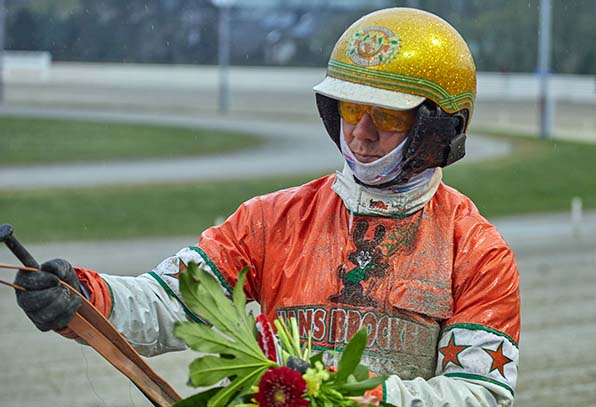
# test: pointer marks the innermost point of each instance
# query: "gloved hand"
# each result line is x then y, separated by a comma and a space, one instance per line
47, 303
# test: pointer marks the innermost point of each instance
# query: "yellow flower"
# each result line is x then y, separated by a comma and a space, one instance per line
314, 377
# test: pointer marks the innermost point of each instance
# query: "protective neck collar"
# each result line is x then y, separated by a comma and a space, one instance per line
406, 200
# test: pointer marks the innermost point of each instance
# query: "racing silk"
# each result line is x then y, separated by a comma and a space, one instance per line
437, 290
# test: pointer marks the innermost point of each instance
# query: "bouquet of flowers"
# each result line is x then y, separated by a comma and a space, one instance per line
243, 363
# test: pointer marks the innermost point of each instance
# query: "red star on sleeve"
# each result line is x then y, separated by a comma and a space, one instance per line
451, 352
498, 359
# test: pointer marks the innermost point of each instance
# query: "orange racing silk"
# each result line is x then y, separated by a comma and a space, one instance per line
437, 290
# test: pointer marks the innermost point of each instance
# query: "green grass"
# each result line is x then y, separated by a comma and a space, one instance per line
540, 176
128, 211
42, 141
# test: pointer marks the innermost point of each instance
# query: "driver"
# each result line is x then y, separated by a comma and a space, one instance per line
383, 244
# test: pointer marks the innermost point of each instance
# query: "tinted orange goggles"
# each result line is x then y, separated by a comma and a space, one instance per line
383, 119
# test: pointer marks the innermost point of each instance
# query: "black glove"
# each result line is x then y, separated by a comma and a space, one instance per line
47, 303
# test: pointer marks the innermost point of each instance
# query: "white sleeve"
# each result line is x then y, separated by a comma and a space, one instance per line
146, 307
442, 391
476, 366
145, 314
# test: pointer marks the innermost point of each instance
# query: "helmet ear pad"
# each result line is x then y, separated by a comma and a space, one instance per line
437, 139
329, 112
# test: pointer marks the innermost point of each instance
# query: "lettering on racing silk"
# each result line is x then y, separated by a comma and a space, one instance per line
395, 344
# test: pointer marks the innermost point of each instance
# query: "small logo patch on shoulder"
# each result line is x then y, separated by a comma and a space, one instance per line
373, 204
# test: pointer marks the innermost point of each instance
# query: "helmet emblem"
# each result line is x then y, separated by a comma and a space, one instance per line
373, 46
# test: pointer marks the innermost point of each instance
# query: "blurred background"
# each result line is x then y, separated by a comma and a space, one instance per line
126, 128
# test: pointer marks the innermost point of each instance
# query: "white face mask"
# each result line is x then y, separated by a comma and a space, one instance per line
384, 169
377, 172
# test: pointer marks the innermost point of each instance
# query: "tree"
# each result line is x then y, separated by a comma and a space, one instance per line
502, 34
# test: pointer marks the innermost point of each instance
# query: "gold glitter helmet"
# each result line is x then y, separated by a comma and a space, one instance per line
399, 58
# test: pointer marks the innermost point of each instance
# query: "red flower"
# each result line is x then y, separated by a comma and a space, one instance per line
265, 337
281, 387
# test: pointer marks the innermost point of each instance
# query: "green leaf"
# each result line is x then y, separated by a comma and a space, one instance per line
351, 356
203, 294
205, 297
198, 400
284, 336
361, 372
229, 348
238, 296
204, 339
209, 370
358, 388
242, 385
